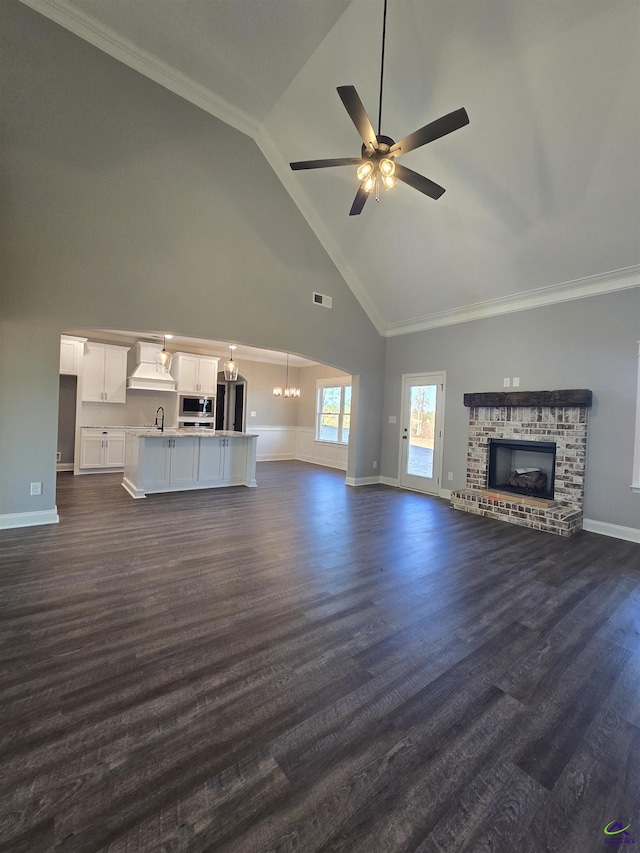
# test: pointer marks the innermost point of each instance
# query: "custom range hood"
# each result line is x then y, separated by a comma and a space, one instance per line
145, 373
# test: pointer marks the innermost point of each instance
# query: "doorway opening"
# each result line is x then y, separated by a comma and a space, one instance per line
230, 404
67, 406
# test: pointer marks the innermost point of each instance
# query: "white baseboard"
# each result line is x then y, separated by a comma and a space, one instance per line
82, 471
325, 463
273, 457
64, 466
29, 519
629, 534
445, 493
362, 481
390, 481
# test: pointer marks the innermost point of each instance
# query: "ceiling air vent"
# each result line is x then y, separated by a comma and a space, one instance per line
322, 299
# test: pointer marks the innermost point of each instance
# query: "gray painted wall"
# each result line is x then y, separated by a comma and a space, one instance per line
587, 343
125, 207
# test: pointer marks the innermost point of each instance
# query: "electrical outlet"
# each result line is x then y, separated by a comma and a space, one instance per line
59, 456
253, 414
450, 475
375, 464
36, 488
516, 382
506, 382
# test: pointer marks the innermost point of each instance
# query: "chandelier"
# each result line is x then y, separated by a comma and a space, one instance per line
289, 391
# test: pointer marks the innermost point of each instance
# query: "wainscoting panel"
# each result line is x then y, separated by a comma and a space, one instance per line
274, 443
319, 453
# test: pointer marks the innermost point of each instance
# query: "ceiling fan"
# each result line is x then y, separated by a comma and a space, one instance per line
377, 162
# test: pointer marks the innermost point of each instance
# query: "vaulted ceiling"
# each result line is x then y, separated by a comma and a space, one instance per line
542, 198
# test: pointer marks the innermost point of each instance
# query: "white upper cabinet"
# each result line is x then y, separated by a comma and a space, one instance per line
71, 349
104, 373
195, 374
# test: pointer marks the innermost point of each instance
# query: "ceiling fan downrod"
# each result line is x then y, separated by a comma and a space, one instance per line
384, 35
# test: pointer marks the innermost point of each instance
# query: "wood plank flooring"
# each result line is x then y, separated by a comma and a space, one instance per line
311, 667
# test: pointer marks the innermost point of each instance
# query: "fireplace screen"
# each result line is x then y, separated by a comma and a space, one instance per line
522, 467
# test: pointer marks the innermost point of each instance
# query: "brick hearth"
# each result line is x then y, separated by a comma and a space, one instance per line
518, 419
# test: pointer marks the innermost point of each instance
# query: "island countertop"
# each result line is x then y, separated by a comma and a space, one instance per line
196, 431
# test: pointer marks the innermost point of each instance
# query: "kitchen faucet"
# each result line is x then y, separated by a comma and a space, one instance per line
161, 426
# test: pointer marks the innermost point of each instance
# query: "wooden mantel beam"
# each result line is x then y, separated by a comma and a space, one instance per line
571, 397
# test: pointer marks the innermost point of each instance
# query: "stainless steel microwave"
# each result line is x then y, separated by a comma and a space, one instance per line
199, 407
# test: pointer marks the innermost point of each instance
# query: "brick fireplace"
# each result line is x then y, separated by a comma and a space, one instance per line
558, 417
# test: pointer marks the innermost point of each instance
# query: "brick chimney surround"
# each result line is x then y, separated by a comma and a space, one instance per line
557, 416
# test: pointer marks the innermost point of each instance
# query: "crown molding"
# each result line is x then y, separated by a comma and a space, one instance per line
109, 41
593, 285
281, 168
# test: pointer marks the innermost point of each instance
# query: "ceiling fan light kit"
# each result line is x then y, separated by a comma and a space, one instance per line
377, 164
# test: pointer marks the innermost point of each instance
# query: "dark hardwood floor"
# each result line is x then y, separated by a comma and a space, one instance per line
307, 666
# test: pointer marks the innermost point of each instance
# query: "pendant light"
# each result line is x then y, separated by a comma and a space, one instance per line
231, 366
290, 391
164, 358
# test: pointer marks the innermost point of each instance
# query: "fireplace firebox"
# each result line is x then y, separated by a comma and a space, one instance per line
522, 467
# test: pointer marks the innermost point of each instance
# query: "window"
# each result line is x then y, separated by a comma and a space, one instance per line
333, 410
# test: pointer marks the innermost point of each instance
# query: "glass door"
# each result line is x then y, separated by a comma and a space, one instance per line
421, 432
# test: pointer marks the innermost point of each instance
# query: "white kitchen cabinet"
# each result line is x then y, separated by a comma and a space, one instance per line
195, 374
71, 349
211, 462
100, 449
235, 459
180, 461
184, 460
223, 460
170, 460
104, 373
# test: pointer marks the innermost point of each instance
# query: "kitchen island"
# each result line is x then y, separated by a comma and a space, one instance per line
180, 460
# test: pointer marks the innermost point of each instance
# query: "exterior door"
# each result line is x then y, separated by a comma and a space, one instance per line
421, 432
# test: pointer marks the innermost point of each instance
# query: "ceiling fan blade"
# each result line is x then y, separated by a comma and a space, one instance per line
323, 164
418, 182
358, 202
358, 115
434, 130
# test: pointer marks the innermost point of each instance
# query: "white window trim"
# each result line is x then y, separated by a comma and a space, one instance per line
635, 482
331, 383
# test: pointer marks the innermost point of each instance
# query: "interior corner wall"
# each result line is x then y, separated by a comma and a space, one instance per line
125, 207
586, 343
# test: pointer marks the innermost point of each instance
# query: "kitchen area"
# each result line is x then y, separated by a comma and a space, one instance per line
169, 422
